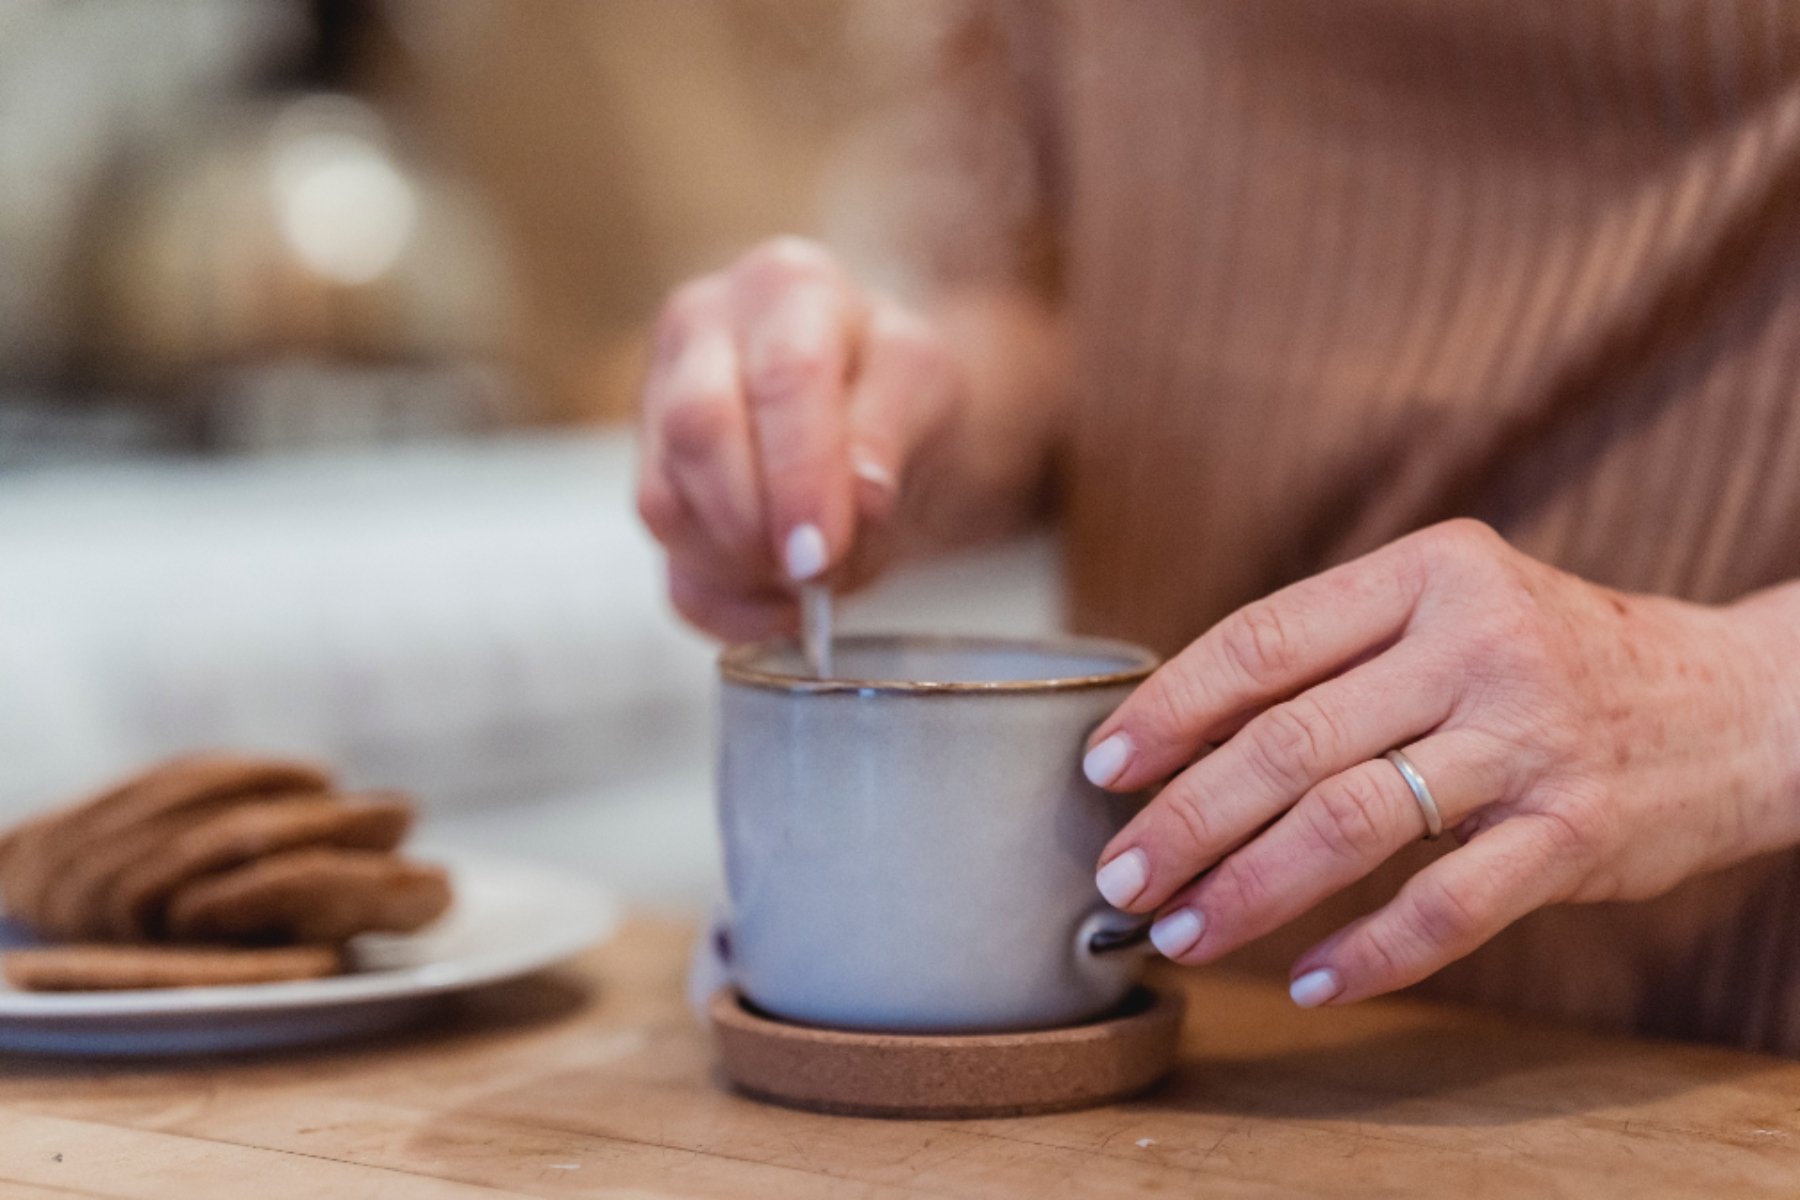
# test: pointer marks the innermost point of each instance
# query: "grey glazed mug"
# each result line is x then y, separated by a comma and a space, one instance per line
910, 845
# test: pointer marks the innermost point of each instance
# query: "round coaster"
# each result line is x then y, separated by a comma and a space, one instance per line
947, 1075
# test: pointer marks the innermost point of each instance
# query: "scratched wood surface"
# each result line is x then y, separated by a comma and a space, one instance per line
595, 1081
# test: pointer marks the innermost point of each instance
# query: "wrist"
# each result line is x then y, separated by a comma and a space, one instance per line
989, 473
1013, 353
1768, 627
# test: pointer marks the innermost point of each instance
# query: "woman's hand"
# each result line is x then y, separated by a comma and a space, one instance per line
1581, 744
783, 408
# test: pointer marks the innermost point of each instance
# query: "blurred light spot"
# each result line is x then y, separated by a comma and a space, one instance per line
342, 205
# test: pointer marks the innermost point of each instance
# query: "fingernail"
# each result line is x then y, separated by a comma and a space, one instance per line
1176, 934
867, 468
1123, 878
1106, 761
805, 552
1315, 987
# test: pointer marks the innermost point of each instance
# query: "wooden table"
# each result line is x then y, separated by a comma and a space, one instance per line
595, 1081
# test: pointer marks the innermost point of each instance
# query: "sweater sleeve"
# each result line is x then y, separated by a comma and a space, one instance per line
952, 181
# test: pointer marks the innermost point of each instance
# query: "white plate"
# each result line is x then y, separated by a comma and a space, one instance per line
509, 919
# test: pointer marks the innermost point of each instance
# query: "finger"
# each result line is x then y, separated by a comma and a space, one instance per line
699, 433
903, 388
1340, 831
684, 390
690, 546
1260, 654
798, 319
661, 508
1267, 766
1444, 912
733, 616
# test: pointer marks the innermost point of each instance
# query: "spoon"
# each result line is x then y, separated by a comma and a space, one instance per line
815, 628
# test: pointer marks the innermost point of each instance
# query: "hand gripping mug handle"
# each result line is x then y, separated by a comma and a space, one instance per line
1108, 931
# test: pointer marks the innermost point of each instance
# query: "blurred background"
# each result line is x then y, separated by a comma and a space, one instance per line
320, 327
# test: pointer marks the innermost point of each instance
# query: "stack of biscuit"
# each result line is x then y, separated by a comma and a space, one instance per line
210, 869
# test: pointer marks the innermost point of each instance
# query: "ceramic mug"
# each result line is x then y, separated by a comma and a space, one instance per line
910, 845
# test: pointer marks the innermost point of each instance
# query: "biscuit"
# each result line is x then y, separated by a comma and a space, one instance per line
128, 903
19, 838
40, 851
9, 841
112, 968
313, 895
67, 905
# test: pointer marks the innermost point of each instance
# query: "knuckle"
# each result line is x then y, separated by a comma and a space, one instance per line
784, 370
1171, 703
1241, 884
790, 256
696, 424
1442, 917
1259, 643
1385, 955
1463, 537
906, 335
1463, 550
1346, 815
1291, 742
1188, 812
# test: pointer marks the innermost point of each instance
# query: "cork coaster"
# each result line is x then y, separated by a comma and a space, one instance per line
947, 1076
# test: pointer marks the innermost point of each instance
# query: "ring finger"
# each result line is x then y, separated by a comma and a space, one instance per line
1340, 831
1266, 767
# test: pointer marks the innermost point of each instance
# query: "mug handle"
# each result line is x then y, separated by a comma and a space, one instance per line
1109, 931
709, 964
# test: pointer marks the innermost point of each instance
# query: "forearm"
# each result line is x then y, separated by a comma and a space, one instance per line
989, 476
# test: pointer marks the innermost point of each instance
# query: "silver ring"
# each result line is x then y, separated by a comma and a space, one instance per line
1434, 820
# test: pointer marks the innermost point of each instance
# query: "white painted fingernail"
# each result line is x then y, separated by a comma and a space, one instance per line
1106, 761
1176, 934
1123, 878
868, 469
1315, 987
805, 552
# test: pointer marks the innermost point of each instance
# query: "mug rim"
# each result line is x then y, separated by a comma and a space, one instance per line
736, 665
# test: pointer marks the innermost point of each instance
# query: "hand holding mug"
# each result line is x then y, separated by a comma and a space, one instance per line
1580, 743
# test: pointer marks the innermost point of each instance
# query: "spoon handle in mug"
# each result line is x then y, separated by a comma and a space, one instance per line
815, 628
